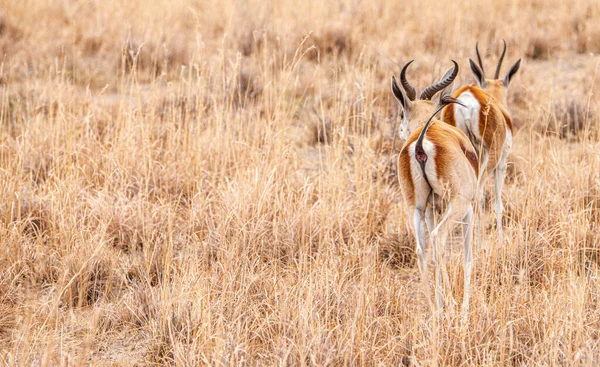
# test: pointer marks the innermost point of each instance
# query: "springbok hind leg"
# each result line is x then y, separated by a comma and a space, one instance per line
467, 228
498, 205
429, 217
482, 180
421, 251
456, 211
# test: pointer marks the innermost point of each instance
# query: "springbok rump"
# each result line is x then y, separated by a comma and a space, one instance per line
438, 171
483, 115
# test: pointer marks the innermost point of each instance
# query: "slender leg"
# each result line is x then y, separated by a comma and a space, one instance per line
482, 179
422, 251
498, 205
440, 245
429, 217
430, 220
467, 228
435, 232
420, 234
458, 208
480, 201
439, 236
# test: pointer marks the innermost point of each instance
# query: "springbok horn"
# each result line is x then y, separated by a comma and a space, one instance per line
434, 88
479, 56
411, 93
496, 76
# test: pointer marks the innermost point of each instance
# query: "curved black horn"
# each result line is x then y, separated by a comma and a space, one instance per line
411, 93
496, 76
479, 56
434, 88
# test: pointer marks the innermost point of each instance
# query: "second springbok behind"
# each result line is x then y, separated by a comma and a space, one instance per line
483, 115
437, 170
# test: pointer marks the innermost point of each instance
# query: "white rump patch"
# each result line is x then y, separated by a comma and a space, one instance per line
467, 119
421, 187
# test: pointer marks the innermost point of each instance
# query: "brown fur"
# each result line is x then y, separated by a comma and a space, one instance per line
451, 145
419, 113
407, 186
469, 152
507, 118
448, 115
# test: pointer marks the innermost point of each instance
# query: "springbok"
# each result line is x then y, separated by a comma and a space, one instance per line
484, 117
437, 168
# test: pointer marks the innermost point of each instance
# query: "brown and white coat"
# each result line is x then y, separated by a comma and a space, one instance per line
437, 168
484, 117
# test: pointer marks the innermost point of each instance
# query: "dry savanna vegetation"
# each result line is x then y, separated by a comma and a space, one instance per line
214, 183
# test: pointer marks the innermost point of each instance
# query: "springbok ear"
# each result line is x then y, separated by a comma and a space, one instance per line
513, 70
478, 73
398, 92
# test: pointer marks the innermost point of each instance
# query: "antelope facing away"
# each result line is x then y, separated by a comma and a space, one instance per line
484, 117
437, 168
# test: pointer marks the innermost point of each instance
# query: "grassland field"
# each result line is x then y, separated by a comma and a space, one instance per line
202, 182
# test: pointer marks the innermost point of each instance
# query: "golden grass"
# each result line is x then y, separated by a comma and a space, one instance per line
212, 183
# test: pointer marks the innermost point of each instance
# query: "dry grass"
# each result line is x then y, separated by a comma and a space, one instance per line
212, 183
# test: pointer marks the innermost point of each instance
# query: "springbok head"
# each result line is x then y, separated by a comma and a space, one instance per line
496, 87
416, 111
